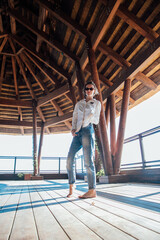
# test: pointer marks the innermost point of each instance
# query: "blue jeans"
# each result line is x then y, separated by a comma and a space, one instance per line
85, 139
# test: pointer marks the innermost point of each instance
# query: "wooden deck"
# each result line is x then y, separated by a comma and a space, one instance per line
40, 210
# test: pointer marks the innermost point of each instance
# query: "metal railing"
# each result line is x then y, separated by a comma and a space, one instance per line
144, 163
23, 164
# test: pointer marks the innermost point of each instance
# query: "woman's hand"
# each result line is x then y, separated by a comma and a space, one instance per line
73, 133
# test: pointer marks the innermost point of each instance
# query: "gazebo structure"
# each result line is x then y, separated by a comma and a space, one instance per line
49, 49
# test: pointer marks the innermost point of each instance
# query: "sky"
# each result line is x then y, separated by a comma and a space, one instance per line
144, 116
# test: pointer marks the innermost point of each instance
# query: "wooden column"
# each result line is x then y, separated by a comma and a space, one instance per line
73, 97
35, 163
105, 144
107, 111
40, 146
122, 124
112, 127
99, 142
80, 79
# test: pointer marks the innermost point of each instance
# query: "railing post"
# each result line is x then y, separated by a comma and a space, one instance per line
142, 151
59, 165
15, 161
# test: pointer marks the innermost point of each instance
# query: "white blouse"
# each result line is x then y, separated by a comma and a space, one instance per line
85, 113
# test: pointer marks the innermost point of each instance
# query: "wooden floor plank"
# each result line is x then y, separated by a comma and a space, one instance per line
40, 210
24, 226
133, 229
48, 227
153, 194
74, 228
5, 193
8, 212
106, 231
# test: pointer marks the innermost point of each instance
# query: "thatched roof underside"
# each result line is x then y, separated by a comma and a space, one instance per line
41, 40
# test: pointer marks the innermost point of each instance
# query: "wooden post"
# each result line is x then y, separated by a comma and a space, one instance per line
122, 124
105, 144
80, 79
113, 127
35, 163
40, 147
73, 97
99, 143
107, 110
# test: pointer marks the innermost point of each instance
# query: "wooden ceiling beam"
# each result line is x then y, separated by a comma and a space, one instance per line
100, 30
29, 85
41, 26
3, 35
59, 119
15, 75
137, 24
119, 93
12, 19
18, 123
31, 70
146, 81
44, 36
2, 71
140, 62
61, 16
42, 58
117, 58
39, 65
3, 44
1, 24
105, 21
15, 103
59, 110
53, 95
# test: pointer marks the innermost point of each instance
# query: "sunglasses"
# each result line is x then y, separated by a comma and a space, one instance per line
89, 89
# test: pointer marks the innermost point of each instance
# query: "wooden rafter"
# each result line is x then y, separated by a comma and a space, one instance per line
117, 58
14, 75
46, 37
16, 103
43, 59
1, 24
16, 89
12, 19
98, 33
40, 66
43, 118
3, 44
137, 24
146, 81
59, 110
53, 95
59, 119
2, 71
18, 123
41, 26
31, 70
29, 85
119, 93
139, 63
64, 18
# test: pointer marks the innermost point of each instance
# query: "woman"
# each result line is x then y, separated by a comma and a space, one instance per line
85, 114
